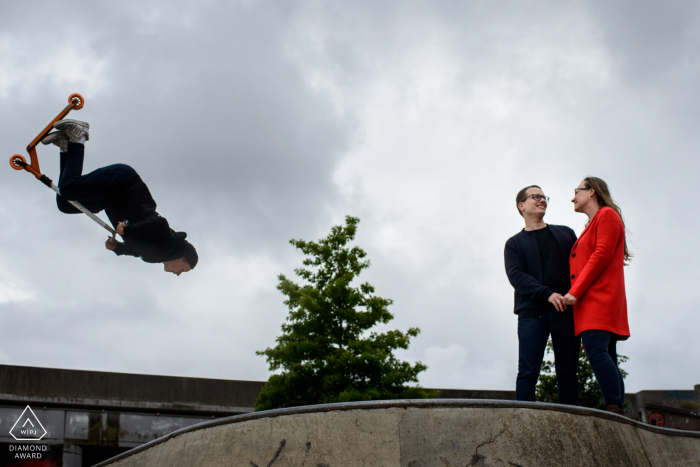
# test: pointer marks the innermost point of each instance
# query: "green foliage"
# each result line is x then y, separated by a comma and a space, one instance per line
588, 389
324, 352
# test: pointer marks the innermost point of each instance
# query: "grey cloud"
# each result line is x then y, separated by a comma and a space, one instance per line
212, 115
650, 41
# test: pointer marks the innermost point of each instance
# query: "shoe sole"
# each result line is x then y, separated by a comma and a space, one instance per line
52, 137
62, 123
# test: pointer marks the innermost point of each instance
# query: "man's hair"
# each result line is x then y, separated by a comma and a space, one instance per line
521, 197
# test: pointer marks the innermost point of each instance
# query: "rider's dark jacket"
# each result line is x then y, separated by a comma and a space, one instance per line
119, 191
147, 234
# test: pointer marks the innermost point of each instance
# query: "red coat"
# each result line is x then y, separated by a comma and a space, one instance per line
597, 276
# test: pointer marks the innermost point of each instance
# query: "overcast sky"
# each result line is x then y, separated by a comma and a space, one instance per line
256, 122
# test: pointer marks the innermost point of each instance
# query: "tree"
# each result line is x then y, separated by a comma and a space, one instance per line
588, 389
325, 352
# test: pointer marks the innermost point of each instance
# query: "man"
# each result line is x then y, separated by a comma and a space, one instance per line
118, 190
537, 265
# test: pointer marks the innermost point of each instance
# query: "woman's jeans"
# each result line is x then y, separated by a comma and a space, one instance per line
601, 348
533, 334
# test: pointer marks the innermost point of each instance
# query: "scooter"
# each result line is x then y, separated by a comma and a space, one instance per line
18, 162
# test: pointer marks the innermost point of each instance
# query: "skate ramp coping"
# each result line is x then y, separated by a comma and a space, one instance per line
420, 433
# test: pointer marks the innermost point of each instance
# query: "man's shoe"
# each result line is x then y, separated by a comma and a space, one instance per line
615, 409
58, 138
73, 129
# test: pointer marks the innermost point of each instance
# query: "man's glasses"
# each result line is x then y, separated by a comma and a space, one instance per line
537, 198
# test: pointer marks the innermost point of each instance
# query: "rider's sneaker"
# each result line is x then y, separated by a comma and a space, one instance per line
58, 138
73, 129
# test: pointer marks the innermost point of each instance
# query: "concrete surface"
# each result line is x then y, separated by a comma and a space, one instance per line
414, 433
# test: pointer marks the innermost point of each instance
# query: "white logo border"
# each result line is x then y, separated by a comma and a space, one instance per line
20, 418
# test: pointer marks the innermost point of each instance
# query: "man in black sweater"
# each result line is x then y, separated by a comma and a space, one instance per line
119, 191
537, 265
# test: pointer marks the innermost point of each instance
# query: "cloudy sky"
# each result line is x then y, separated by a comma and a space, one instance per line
256, 122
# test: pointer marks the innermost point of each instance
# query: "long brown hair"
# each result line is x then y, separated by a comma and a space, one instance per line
605, 200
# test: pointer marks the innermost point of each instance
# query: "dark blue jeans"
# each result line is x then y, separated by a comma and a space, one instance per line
601, 348
95, 190
533, 334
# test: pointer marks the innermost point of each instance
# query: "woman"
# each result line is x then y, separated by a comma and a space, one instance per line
598, 286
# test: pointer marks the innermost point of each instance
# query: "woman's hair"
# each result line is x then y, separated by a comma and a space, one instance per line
519, 198
605, 200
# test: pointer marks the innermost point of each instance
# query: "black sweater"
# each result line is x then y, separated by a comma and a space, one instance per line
524, 269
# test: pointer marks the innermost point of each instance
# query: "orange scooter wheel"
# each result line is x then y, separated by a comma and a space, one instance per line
15, 161
77, 101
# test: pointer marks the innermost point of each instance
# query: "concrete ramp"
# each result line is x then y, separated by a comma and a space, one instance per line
420, 433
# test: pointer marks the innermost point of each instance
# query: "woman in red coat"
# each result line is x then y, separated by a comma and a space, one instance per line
598, 286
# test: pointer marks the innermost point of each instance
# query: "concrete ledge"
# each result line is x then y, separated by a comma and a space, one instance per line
52, 387
415, 433
123, 406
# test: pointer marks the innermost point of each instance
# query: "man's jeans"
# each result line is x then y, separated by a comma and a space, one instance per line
532, 339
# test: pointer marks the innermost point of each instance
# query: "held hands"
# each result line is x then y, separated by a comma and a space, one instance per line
558, 301
569, 299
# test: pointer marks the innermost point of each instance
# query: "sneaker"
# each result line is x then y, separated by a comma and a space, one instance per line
58, 138
73, 129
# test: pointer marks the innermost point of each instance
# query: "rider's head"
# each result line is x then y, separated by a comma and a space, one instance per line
177, 266
183, 258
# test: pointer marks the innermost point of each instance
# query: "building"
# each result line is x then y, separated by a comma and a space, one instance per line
670, 408
91, 416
